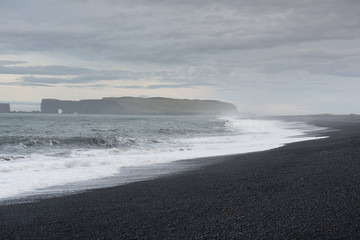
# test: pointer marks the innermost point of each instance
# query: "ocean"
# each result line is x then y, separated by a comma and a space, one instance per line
46, 155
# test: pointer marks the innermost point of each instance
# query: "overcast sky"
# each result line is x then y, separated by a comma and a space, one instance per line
266, 56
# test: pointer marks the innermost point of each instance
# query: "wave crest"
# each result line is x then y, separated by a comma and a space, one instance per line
73, 142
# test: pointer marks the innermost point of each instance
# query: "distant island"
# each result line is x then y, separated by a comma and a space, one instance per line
139, 106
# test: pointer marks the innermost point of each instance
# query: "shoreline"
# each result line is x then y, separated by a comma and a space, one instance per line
299, 191
247, 135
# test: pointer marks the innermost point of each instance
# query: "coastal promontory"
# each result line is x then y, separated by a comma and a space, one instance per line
141, 106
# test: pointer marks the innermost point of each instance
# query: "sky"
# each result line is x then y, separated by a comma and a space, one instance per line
265, 56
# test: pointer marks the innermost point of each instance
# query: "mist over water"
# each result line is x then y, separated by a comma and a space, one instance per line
40, 152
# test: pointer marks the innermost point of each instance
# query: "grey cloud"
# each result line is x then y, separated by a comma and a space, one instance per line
9, 83
169, 86
82, 75
158, 86
87, 78
323, 53
69, 75
40, 70
27, 84
169, 32
343, 63
112, 75
42, 80
7, 62
93, 86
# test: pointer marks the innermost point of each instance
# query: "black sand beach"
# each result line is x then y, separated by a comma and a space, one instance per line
306, 190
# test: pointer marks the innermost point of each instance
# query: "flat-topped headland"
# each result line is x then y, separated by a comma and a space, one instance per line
141, 106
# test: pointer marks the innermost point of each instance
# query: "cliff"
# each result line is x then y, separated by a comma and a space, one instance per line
4, 107
133, 105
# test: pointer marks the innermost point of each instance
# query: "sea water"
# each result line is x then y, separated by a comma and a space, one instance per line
44, 154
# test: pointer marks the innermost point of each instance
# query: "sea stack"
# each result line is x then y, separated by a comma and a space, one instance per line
4, 107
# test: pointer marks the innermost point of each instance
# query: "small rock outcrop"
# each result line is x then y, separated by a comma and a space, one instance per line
4, 107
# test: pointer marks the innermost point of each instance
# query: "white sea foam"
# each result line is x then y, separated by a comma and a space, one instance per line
24, 175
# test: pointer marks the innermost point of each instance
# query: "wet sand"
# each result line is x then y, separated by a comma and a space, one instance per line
306, 190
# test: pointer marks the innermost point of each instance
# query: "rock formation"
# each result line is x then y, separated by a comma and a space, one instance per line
4, 107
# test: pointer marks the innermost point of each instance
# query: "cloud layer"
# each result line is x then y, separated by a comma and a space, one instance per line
227, 45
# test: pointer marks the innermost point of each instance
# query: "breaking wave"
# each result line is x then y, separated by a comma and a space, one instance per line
73, 142
107, 147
